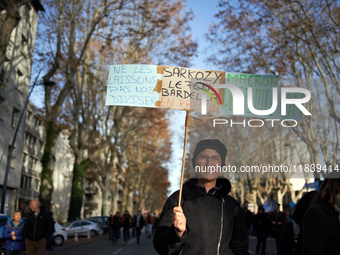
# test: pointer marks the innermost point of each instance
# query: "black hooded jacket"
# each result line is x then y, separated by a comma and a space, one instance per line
321, 231
215, 223
38, 227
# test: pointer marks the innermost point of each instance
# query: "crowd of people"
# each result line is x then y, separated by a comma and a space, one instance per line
131, 225
313, 227
33, 234
207, 220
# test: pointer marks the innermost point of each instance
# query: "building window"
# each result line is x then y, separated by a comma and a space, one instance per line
13, 158
29, 116
25, 160
32, 163
41, 149
29, 164
34, 142
41, 130
15, 117
31, 141
27, 139
2, 76
25, 182
22, 181
3, 73
24, 46
20, 80
36, 184
2, 107
36, 121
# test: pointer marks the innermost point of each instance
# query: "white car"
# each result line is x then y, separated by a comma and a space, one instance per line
60, 234
83, 228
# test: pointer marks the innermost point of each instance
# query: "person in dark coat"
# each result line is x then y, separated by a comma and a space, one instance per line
138, 224
126, 224
209, 221
261, 227
278, 220
291, 237
114, 224
38, 228
109, 224
321, 223
13, 235
248, 217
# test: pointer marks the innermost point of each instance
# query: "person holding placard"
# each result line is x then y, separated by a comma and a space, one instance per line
209, 221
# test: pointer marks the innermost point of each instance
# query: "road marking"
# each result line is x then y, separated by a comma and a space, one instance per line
116, 252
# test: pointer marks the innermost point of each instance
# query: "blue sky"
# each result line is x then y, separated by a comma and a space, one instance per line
204, 11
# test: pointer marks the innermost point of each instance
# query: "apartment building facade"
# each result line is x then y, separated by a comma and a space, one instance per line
15, 76
33, 149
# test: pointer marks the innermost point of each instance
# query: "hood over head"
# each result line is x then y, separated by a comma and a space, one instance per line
191, 190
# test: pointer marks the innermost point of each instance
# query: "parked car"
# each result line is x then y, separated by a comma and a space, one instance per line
60, 234
83, 227
3, 220
101, 220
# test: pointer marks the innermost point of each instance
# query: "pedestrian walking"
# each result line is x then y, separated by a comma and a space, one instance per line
209, 221
150, 222
116, 227
38, 228
291, 237
127, 224
248, 217
109, 224
138, 224
278, 221
261, 227
13, 235
321, 224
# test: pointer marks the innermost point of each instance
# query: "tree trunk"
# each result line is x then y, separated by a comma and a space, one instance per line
77, 190
46, 186
106, 195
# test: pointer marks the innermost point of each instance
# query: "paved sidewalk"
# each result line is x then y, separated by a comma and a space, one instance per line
70, 243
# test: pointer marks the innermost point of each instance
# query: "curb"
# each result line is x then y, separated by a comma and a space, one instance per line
73, 244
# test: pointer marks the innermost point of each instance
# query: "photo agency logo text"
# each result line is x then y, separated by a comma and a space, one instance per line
238, 107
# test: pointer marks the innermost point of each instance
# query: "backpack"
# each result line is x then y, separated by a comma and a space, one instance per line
9, 225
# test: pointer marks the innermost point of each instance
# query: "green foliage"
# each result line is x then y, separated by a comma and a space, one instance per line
77, 190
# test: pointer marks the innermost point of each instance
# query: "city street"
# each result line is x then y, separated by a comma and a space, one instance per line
101, 245
270, 249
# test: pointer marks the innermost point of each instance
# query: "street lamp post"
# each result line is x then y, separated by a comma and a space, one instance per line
9, 158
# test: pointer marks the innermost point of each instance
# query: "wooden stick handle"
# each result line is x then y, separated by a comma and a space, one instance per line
187, 124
